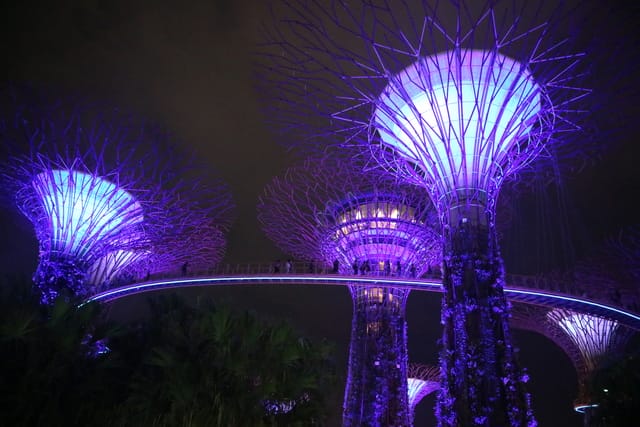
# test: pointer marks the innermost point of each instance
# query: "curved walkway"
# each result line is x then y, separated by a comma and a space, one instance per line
429, 284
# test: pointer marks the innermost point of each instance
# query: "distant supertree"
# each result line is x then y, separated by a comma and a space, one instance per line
327, 209
597, 338
423, 380
104, 193
454, 96
536, 318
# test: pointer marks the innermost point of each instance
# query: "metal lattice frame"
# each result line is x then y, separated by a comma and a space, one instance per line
423, 380
377, 72
536, 318
455, 97
327, 209
362, 224
102, 192
595, 337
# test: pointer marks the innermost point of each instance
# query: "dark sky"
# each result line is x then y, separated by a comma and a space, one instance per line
187, 65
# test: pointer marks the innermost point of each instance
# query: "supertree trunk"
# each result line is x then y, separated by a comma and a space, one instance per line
103, 191
376, 392
481, 383
59, 277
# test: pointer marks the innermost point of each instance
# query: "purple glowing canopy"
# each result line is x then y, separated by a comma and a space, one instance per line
454, 96
328, 209
459, 114
585, 338
595, 336
107, 193
82, 208
422, 380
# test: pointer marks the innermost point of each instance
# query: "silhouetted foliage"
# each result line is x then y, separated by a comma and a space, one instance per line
616, 389
55, 369
208, 366
184, 365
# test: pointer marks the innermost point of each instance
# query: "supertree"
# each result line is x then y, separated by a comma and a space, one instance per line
536, 318
326, 209
596, 338
104, 192
586, 339
423, 380
453, 96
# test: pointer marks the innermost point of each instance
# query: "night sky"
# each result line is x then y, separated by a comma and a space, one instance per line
188, 66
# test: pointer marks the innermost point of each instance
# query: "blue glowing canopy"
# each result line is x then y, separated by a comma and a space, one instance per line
459, 115
83, 210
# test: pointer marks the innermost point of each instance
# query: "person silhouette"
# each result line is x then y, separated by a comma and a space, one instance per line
185, 267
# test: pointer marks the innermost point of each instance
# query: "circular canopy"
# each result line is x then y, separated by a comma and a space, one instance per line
461, 116
83, 209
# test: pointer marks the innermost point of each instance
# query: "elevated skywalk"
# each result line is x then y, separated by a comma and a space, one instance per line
518, 288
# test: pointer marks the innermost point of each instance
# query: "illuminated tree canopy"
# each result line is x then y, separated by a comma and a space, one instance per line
328, 209
453, 96
109, 197
593, 335
423, 380
596, 338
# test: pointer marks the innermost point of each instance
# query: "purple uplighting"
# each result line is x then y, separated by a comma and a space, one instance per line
423, 380
110, 266
83, 209
97, 186
458, 115
454, 97
595, 337
363, 225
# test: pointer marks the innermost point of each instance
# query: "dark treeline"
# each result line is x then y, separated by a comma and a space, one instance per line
183, 365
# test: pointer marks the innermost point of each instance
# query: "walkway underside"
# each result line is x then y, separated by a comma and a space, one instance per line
513, 293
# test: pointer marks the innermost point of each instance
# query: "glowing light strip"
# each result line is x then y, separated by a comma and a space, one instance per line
583, 408
117, 293
572, 299
433, 285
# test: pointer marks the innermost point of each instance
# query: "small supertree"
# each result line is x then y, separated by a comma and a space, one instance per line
327, 209
104, 193
536, 318
423, 380
454, 96
596, 338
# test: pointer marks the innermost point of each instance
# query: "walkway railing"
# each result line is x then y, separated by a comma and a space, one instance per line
627, 301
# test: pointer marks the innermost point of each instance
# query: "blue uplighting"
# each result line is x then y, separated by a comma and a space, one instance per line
457, 113
83, 209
